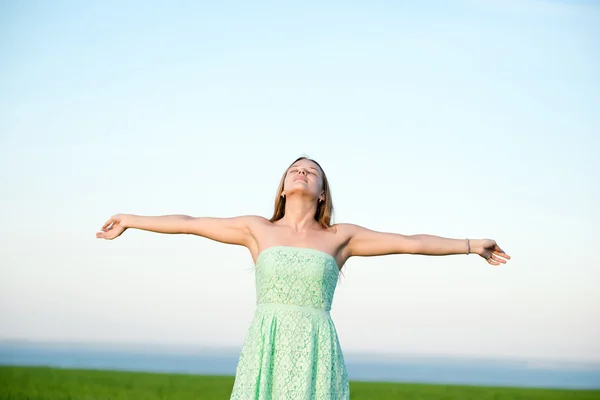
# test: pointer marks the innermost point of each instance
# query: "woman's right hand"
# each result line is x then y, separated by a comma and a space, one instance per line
113, 228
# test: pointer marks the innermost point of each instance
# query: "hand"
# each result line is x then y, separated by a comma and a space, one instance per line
113, 228
493, 254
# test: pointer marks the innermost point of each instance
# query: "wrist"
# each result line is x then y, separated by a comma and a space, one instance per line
476, 246
126, 220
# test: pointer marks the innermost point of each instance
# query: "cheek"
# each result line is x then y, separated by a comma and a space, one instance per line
287, 181
320, 183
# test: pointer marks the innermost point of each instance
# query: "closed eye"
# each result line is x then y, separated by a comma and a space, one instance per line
310, 171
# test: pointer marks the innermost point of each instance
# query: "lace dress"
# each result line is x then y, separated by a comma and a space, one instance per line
291, 350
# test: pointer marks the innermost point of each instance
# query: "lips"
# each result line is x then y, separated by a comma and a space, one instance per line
300, 179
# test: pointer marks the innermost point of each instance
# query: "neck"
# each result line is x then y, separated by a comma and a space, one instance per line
299, 213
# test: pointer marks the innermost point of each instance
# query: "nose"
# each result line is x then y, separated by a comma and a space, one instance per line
301, 171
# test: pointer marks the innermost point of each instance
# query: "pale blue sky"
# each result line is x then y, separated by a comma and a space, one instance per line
471, 119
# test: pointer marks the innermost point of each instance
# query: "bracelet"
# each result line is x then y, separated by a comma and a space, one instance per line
468, 247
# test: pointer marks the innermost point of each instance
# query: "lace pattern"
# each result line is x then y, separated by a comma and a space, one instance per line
291, 350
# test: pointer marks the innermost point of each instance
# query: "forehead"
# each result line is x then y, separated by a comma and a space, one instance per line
306, 164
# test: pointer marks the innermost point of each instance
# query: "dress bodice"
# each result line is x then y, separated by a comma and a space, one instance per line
296, 276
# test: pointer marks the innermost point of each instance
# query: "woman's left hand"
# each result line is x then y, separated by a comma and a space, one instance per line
492, 253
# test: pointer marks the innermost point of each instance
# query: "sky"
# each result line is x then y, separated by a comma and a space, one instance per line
470, 118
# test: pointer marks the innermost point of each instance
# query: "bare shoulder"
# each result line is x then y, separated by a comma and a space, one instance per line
346, 229
256, 221
253, 219
344, 233
251, 223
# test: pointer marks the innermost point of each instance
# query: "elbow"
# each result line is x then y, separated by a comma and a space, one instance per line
187, 225
414, 245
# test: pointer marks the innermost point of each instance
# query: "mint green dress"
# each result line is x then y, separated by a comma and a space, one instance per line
291, 350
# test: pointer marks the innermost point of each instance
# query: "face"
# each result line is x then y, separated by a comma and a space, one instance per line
304, 176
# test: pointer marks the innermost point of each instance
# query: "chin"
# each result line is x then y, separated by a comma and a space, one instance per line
301, 189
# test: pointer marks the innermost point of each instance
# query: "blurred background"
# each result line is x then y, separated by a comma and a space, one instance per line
472, 118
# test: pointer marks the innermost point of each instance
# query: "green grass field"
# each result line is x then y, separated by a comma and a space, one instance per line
28, 383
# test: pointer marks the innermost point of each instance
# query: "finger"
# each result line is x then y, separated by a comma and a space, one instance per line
501, 252
492, 262
106, 224
498, 259
103, 235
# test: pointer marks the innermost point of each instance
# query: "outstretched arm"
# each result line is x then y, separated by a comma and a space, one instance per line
235, 230
366, 242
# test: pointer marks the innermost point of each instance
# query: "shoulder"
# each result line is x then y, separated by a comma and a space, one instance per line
253, 220
346, 229
245, 222
346, 233
256, 223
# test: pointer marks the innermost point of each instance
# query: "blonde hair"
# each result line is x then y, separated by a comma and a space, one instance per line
324, 214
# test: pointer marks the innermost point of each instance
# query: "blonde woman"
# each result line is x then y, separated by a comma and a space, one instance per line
291, 350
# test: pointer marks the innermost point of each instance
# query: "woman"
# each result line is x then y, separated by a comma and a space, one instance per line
291, 350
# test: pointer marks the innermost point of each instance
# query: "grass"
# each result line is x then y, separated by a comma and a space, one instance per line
37, 383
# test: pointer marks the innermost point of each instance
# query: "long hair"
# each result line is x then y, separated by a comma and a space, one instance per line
324, 214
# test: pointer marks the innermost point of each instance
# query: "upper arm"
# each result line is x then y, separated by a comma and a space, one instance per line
233, 230
367, 242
